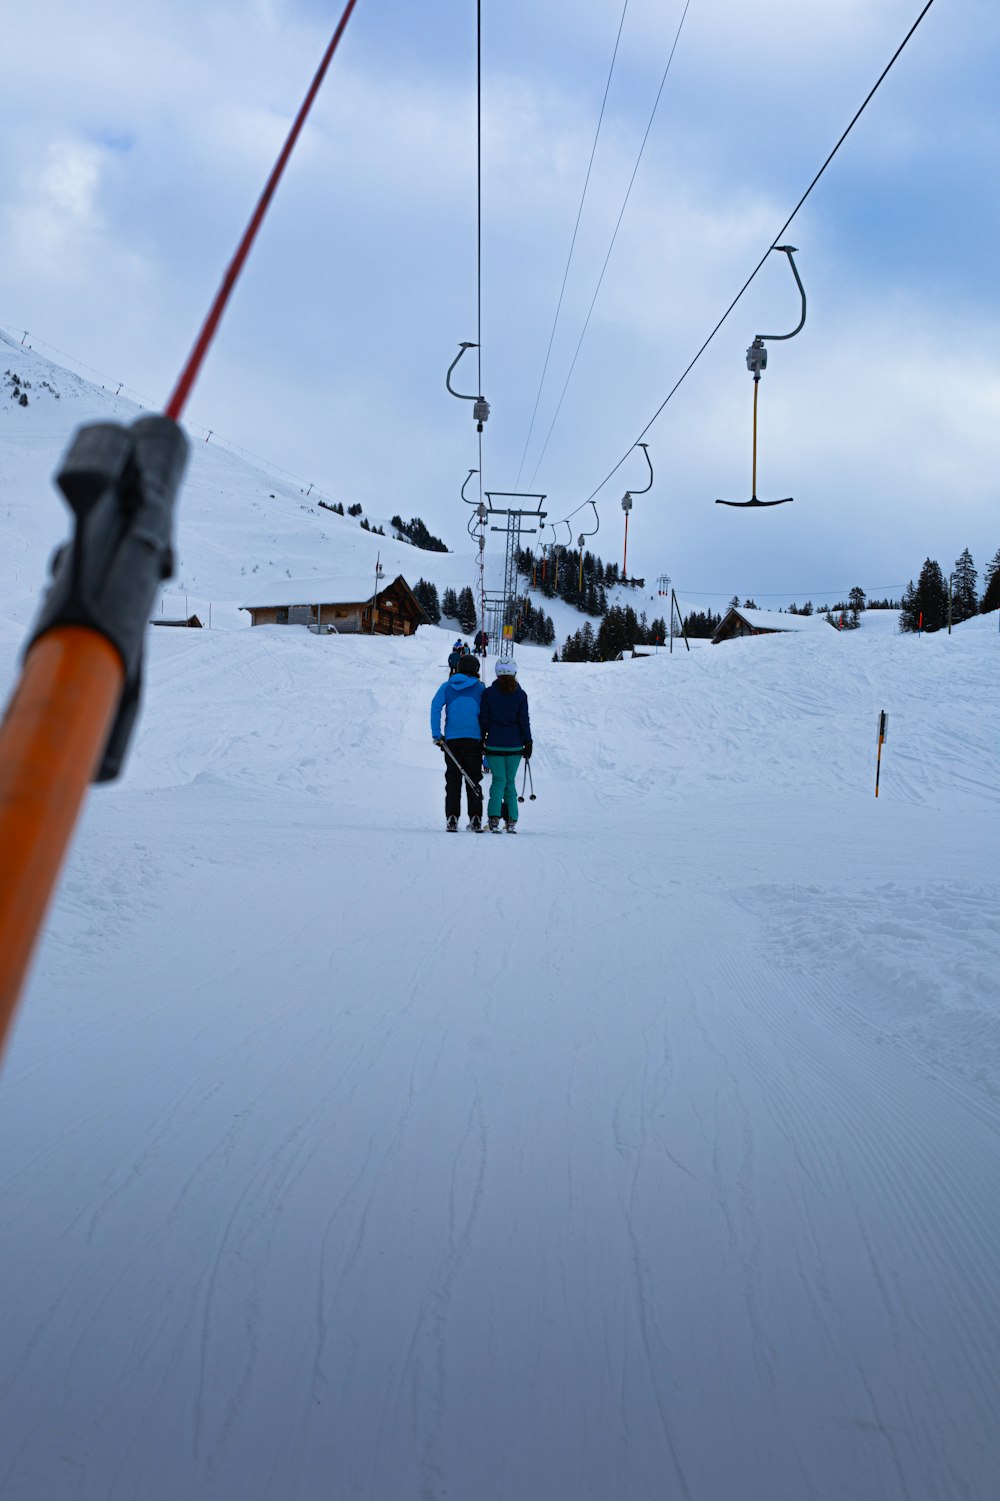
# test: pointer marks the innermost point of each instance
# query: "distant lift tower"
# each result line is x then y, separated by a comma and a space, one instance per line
515, 527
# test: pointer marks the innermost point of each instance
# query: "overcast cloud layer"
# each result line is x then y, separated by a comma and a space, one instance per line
138, 138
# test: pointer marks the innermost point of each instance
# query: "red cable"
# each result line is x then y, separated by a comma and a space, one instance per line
182, 390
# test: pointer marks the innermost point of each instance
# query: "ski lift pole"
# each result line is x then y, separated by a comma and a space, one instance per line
74, 708
680, 620
581, 540
627, 502
883, 724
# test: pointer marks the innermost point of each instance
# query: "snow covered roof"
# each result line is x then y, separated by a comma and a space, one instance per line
346, 590
775, 620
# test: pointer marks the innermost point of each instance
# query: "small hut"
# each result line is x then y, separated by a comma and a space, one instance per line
339, 606
192, 622
740, 622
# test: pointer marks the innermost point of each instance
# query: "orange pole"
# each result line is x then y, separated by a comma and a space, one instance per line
51, 741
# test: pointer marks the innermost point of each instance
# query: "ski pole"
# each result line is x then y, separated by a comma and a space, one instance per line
472, 786
523, 784
531, 779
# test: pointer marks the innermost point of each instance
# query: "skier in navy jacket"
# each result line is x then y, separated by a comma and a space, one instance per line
503, 715
462, 742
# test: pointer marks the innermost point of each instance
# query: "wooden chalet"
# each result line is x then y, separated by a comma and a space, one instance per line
339, 606
740, 622
192, 622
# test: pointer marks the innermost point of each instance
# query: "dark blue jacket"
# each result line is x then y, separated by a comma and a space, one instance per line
504, 718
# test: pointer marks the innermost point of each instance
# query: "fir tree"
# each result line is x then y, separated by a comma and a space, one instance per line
449, 605
427, 594
964, 595
932, 595
928, 600
991, 589
467, 611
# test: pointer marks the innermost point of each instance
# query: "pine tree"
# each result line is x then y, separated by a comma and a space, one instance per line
932, 595
449, 605
991, 586
964, 595
909, 612
467, 611
427, 594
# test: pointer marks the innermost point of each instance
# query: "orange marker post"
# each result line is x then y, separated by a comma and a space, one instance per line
883, 722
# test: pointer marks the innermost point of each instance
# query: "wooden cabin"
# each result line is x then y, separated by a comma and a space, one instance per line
740, 622
192, 622
339, 606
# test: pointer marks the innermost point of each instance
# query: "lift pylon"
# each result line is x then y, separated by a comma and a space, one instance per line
515, 528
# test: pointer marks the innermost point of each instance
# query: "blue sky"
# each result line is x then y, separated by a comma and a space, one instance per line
138, 138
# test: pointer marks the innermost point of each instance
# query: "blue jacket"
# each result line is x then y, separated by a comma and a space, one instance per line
459, 697
504, 718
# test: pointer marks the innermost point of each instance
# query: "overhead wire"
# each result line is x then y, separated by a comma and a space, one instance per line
572, 246
607, 258
686, 372
480, 540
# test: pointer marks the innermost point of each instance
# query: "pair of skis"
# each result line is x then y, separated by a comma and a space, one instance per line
476, 788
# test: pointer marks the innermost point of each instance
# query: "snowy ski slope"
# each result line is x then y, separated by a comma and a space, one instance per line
650, 1154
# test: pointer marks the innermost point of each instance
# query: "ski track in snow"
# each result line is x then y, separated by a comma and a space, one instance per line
651, 1154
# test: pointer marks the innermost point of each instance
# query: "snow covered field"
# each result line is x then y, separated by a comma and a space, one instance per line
650, 1154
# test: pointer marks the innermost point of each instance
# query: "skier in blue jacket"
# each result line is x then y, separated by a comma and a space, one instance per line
506, 727
462, 742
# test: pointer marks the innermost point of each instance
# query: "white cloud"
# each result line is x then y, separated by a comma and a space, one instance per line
332, 356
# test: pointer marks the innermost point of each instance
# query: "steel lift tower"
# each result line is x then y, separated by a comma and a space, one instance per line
515, 527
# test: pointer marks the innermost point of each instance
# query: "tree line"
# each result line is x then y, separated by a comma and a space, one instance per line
416, 532
560, 576
619, 630
529, 621
924, 605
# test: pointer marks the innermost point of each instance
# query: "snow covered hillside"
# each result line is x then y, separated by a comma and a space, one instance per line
649, 1154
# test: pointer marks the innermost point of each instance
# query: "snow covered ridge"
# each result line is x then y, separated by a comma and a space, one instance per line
334, 1146
236, 524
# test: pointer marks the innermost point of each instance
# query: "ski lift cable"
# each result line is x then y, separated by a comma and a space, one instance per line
614, 237
774, 245
572, 247
189, 374
479, 196
74, 707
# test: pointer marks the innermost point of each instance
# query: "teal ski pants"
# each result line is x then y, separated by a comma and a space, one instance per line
503, 770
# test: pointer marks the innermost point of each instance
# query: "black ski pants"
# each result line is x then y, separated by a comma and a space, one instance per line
469, 755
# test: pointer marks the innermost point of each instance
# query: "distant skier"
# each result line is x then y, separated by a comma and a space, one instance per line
481, 642
462, 742
458, 651
506, 727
